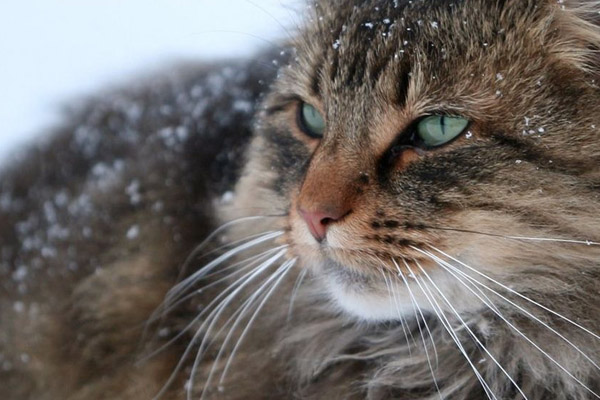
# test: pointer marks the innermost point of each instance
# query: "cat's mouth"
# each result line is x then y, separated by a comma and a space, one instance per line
359, 282
366, 277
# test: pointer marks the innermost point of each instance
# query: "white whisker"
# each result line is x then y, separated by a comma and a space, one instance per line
215, 313
240, 315
233, 243
512, 326
186, 283
522, 238
415, 307
446, 324
208, 307
523, 310
519, 294
481, 345
286, 267
395, 303
194, 253
403, 321
543, 239
250, 263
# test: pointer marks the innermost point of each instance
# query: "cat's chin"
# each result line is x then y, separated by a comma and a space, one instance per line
364, 297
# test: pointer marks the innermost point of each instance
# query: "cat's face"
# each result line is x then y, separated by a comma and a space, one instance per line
406, 132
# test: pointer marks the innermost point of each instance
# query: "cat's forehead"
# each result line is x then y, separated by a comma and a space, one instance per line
373, 67
375, 49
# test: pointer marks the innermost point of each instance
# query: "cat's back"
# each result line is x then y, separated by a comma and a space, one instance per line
97, 218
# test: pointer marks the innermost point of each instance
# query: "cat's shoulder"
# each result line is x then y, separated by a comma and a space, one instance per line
97, 216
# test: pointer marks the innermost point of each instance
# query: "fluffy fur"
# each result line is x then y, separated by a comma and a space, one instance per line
469, 271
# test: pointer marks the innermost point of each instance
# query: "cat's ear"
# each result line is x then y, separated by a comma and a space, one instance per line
574, 33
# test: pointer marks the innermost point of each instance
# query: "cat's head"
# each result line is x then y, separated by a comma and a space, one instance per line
409, 141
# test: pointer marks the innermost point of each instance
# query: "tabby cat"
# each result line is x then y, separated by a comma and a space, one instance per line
410, 210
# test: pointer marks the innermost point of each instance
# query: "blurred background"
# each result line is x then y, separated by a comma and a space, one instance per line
52, 51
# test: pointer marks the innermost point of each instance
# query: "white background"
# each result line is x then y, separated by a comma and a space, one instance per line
52, 51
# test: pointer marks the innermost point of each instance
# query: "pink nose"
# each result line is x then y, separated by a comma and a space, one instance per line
318, 222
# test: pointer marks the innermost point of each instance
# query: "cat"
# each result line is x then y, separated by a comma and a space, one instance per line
400, 202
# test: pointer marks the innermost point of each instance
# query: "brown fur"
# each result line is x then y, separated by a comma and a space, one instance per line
524, 72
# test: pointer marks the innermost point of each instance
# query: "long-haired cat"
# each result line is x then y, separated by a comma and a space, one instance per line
410, 211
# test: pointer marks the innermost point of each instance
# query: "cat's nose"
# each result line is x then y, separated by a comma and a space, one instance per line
318, 221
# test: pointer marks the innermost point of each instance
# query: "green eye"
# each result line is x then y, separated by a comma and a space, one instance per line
311, 121
437, 130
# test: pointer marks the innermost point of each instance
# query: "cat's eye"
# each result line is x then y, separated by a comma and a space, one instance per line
437, 130
311, 121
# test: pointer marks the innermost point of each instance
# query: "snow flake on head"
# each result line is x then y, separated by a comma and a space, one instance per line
243, 106
81, 206
18, 307
133, 232
133, 191
105, 176
20, 273
6, 202
87, 140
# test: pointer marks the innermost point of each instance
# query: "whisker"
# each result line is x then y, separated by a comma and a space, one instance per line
525, 238
194, 253
415, 306
519, 294
295, 290
523, 310
234, 243
214, 317
215, 313
186, 283
395, 302
251, 262
286, 267
236, 266
512, 326
242, 308
446, 324
481, 345
403, 321
280, 271
200, 314
240, 312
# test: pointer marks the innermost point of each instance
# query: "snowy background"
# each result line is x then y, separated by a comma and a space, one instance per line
52, 51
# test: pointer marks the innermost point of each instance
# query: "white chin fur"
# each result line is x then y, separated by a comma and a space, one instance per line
367, 306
